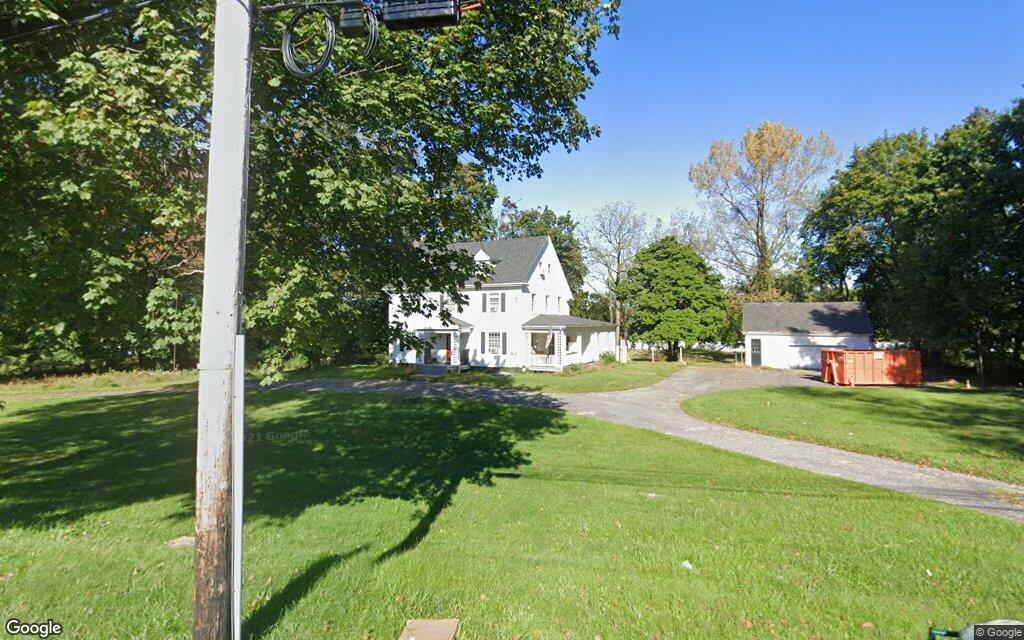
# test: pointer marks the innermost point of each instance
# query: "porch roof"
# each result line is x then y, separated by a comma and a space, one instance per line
550, 321
456, 323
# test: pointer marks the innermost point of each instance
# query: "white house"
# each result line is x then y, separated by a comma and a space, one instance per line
791, 335
518, 319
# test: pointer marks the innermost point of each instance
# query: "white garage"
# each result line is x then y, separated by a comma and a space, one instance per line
791, 335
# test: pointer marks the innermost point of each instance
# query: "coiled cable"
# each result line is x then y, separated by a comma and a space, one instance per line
288, 50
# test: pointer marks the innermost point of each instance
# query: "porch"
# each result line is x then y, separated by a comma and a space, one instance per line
448, 350
554, 342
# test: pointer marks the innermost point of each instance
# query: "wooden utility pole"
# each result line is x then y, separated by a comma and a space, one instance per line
219, 357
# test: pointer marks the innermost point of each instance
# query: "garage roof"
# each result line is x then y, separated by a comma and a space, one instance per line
814, 318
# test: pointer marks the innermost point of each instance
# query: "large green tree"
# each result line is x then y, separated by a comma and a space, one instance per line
515, 222
928, 233
360, 177
867, 211
674, 297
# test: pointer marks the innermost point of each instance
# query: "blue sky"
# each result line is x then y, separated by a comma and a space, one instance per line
684, 73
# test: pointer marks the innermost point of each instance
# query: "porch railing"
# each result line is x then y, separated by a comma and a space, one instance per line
542, 360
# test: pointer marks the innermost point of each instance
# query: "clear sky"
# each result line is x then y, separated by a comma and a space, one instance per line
686, 72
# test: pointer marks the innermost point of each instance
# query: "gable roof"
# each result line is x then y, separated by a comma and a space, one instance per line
513, 258
815, 318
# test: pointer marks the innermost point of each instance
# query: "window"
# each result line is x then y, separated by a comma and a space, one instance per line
547, 302
494, 302
559, 307
494, 343
571, 341
533, 302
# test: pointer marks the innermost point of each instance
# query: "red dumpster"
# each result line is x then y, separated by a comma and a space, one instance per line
850, 367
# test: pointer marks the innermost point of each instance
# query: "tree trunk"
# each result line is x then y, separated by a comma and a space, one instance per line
673, 351
980, 362
618, 330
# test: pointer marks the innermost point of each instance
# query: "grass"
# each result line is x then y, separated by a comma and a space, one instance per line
975, 432
355, 372
365, 511
93, 383
133, 381
690, 358
598, 377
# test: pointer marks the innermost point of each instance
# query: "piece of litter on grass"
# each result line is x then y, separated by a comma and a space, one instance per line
929, 572
430, 630
182, 542
650, 495
687, 565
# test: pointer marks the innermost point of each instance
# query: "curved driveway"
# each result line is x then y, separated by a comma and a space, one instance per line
657, 408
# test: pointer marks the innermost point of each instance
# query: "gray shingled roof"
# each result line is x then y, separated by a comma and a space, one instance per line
513, 258
545, 321
456, 323
815, 318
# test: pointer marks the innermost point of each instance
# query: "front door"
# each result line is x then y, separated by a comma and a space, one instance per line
755, 352
441, 352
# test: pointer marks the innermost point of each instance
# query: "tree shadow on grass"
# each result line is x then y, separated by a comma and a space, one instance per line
60, 462
266, 617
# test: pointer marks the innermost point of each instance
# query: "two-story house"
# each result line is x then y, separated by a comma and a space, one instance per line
519, 318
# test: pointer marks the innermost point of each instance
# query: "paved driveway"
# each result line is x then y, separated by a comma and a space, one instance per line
657, 408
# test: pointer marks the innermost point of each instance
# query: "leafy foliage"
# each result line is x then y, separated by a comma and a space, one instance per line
673, 296
514, 222
754, 197
930, 235
359, 177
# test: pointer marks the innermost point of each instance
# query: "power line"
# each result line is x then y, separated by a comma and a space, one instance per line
107, 11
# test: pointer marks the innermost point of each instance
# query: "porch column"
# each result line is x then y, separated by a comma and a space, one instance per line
560, 347
456, 349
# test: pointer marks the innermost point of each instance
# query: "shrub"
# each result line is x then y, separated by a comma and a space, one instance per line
573, 368
381, 359
608, 358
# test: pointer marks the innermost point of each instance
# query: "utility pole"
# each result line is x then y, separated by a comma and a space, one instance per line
220, 363
216, 609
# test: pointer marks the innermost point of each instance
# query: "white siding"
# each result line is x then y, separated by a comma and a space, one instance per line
546, 281
800, 351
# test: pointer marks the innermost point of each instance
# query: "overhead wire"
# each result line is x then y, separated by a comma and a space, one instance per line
105, 12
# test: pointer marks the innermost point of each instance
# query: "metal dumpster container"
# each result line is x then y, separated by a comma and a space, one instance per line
857, 368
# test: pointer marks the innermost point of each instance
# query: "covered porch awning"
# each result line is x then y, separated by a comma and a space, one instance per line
547, 321
457, 324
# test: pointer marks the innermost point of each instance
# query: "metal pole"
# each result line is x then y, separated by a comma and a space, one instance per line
237, 475
221, 321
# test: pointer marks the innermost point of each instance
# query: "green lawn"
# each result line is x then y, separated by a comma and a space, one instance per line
599, 377
976, 432
130, 381
691, 358
93, 383
364, 511
355, 372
